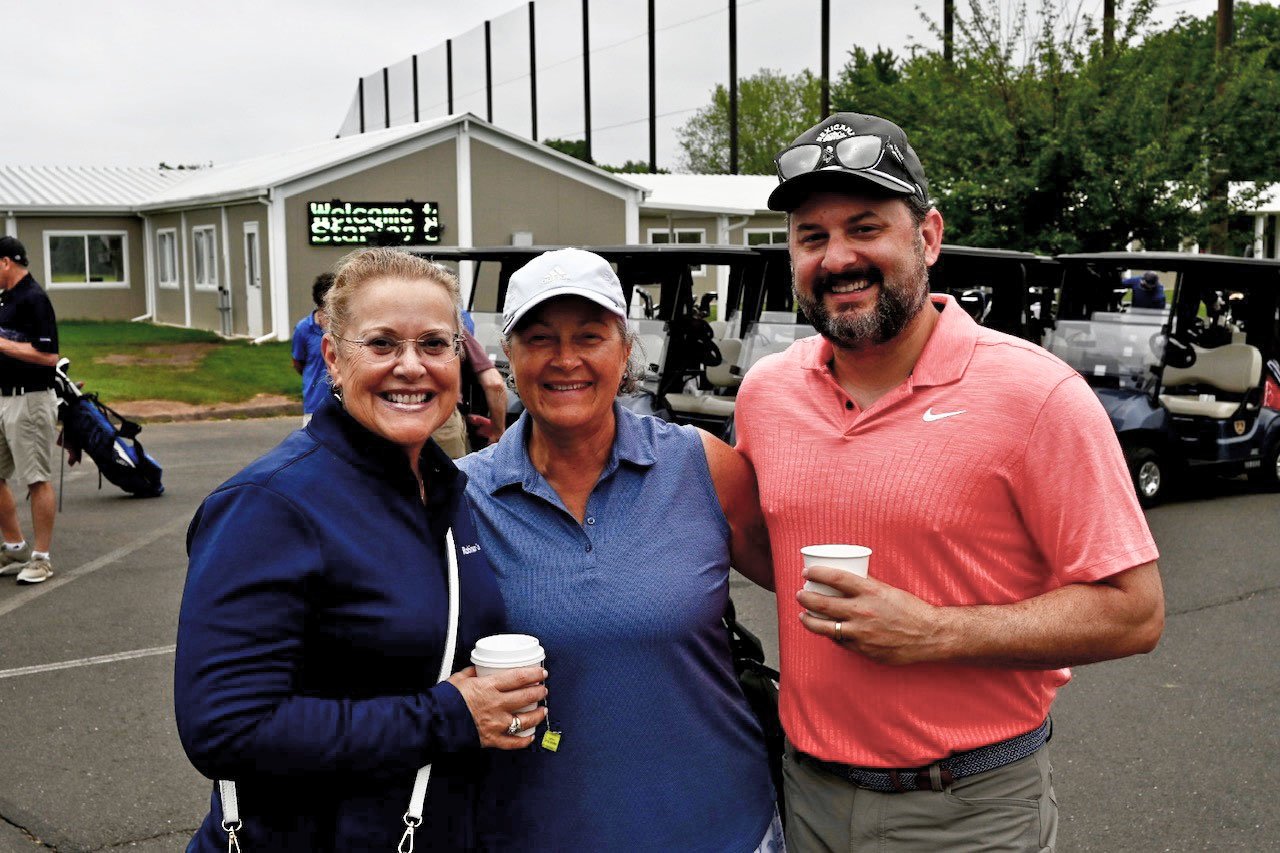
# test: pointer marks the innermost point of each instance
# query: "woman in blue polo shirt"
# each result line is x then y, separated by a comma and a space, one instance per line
316, 609
612, 535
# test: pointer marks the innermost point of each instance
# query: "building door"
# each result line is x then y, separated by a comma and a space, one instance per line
253, 279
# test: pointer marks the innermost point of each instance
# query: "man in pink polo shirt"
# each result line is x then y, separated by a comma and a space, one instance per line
984, 474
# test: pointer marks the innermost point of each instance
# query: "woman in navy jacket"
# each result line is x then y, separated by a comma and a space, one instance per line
316, 605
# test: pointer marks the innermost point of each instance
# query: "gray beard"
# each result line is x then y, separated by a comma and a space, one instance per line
897, 305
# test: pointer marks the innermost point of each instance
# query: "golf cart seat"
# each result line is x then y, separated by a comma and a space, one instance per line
722, 378
1232, 368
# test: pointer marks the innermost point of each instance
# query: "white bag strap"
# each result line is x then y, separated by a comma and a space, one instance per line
413, 817
230, 814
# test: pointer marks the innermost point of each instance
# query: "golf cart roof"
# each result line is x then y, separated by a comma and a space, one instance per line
685, 252
1172, 261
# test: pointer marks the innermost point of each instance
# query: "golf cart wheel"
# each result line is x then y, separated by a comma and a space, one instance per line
1150, 474
1268, 476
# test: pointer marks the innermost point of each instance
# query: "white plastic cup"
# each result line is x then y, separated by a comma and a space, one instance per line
850, 558
500, 652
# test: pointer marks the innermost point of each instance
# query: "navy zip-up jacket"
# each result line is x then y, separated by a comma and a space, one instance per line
312, 624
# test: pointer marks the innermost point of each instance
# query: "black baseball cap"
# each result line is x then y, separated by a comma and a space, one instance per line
10, 247
848, 150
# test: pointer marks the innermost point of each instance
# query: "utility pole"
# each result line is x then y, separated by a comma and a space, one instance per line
586, 76
733, 87
826, 59
1226, 25
1108, 26
1218, 174
533, 74
653, 95
949, 28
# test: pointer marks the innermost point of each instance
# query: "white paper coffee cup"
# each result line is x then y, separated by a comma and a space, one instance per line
850, 558
500, 652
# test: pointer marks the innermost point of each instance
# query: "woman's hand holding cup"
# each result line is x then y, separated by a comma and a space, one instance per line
496, 700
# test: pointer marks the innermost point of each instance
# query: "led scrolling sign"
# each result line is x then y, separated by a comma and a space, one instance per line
359, 223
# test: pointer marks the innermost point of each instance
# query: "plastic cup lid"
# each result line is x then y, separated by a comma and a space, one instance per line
507, 650
836, 552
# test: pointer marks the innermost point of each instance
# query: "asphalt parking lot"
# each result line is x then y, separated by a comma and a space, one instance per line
1174, 751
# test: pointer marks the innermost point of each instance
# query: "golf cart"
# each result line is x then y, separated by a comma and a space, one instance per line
676, 342
1000, 289
1192, 386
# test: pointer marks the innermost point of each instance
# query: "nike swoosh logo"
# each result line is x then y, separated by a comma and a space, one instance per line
930, 417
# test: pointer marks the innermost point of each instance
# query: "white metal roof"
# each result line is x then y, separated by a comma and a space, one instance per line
256, 176
738, 195
91, 188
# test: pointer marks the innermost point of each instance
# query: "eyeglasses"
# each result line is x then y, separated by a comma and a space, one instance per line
435, 347
852, 152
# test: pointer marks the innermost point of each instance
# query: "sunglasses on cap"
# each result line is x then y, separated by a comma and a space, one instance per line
852, 152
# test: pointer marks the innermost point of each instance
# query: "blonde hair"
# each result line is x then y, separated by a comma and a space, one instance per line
364, 265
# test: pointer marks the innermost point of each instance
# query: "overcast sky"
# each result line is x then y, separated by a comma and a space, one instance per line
135, 82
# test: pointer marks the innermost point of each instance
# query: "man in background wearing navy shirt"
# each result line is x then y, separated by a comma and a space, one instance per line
28, 412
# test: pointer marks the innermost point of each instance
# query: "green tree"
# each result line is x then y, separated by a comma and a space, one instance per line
1035, 139
576, 148
773, 109
632, 167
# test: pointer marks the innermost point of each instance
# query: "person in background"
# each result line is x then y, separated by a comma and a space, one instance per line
28, 413
986, 478
316, 607
1147, 290
477, 368
612, 535
307, 358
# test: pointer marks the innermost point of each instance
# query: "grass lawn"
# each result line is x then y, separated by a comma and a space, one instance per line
140, 361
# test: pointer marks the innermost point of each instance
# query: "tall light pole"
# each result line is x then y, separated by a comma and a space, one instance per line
1218, 173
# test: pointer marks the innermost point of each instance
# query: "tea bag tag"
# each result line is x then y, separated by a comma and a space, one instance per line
550, 738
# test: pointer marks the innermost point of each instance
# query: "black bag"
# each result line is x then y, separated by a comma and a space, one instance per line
87, 425
760, 685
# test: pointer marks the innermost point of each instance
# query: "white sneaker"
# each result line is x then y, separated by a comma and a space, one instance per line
36, 571
12, 562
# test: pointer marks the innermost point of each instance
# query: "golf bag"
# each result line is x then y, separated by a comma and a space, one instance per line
89, 426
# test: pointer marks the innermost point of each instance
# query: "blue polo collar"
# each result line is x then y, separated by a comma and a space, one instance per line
510, 464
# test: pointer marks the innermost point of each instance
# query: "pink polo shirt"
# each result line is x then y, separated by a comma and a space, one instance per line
990, 476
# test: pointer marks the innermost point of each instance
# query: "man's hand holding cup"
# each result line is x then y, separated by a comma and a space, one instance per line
863, 614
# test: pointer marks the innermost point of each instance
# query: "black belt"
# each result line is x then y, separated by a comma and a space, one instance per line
937, 776
15, 390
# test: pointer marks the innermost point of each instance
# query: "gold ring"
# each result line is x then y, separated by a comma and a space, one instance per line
839, 638
515, 725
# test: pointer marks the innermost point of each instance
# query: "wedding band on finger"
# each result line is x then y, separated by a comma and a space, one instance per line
839, 637
515, 726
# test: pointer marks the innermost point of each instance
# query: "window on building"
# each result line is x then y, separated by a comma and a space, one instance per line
682, 236
87, 259
204, 250
765, 236
167, 257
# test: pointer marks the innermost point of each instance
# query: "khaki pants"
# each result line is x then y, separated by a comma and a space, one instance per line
28, 427
1010, 809
452, 436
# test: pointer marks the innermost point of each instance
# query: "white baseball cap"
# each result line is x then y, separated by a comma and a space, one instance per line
563, 272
